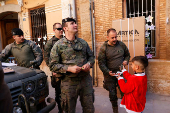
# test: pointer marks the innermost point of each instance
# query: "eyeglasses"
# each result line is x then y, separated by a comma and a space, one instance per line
59, 29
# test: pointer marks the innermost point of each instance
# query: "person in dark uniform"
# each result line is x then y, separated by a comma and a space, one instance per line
112, 55
6, 105
26, 52
55, 78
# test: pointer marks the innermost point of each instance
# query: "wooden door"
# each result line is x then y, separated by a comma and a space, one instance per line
7, 26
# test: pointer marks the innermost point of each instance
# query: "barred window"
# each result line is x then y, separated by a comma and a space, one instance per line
146, 8
38, 26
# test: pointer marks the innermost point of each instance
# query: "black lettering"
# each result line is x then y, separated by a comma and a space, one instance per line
129, 33
136, 32
126, 32
123, 33
136, 40
119, 33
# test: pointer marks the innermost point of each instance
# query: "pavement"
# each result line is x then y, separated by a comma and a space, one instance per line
154, 103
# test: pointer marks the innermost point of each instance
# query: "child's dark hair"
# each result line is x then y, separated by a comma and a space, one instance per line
142, 60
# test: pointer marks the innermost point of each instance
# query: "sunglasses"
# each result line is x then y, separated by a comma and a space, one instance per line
18, 35
59, 29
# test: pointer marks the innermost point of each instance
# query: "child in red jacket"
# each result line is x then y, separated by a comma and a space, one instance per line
135, 88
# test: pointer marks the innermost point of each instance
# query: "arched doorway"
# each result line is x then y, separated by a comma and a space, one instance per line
8, 21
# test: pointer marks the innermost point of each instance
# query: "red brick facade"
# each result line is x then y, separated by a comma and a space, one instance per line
162, 28
158, 71
168, 29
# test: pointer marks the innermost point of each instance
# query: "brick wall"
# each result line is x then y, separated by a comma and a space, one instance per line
158, 71
83, 20
158, 75
168, 30
107, 10
162, 28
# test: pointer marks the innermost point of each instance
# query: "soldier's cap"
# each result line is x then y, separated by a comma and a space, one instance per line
17, 31
68, 20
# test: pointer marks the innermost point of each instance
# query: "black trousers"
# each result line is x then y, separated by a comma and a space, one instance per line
56, 83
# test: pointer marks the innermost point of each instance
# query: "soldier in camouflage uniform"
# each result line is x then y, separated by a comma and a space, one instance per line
72, 57
112, 54
26, 52
55, 78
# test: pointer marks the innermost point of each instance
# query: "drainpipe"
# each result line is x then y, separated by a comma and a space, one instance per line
94, 44
69, 8
74, 9
91, 27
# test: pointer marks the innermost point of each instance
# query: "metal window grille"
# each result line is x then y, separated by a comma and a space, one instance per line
38, 25
137, 8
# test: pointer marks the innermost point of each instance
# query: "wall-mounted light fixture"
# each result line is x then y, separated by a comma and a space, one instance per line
167, 20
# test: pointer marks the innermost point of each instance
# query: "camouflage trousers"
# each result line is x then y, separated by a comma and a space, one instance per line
73, 87
110, 84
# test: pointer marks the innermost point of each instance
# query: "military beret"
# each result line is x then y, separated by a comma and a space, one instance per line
68, 20
17, 31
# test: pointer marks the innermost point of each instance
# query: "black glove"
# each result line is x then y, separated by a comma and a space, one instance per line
34, 63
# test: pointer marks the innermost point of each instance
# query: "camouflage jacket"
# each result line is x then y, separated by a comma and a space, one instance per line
23, 53
111, 57
66, 53
48, 48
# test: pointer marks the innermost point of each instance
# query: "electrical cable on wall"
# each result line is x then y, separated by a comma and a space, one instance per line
128, 40
121, 28
133, 37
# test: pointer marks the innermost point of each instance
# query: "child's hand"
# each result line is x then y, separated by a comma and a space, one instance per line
118, 76
114, 74
122, 67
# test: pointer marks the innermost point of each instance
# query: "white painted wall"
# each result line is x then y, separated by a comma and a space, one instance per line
65, 8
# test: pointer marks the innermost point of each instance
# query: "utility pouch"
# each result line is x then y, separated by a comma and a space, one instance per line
105, 86
55, 81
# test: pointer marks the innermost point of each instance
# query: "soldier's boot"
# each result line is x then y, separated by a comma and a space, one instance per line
114, 106
60, 109
59, 106
115, 109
